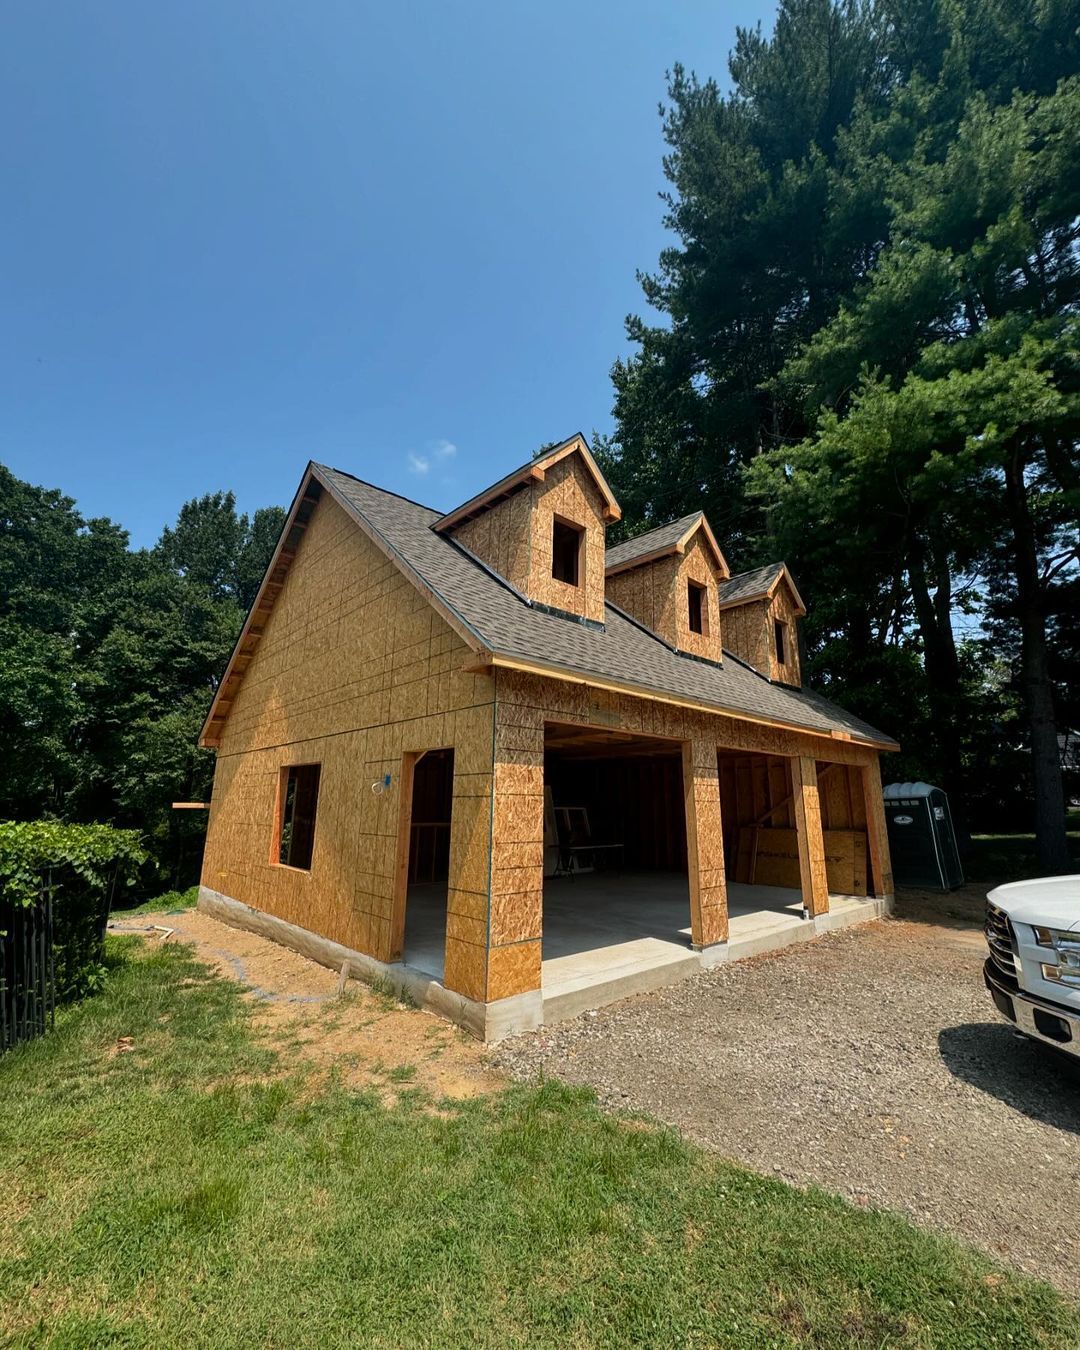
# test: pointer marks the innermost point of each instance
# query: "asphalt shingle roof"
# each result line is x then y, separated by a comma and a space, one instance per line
506, 624
663, 536
746, 585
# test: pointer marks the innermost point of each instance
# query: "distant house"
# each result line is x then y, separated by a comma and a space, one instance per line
520, 773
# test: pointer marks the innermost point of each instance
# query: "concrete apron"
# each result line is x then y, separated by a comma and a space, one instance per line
610, 976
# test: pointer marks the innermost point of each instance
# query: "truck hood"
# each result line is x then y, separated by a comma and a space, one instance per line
1051, 901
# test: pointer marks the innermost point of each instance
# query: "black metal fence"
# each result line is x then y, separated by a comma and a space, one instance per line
27, 972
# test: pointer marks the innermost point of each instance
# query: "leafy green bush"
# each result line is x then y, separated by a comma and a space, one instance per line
80, 868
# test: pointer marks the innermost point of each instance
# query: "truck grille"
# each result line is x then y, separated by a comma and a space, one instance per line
999, 938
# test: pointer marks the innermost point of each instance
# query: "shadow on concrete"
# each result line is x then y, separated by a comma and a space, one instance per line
1023, 1074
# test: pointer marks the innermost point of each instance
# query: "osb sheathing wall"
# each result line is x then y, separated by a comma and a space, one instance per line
501, 536
514, 537
354, 670
756, 793
745, 633
756, 789
748, 633
656, 594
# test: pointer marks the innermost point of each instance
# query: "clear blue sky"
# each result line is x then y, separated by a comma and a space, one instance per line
400, 238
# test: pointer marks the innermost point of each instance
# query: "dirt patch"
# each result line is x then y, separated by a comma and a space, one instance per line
366, 1038
871, 1062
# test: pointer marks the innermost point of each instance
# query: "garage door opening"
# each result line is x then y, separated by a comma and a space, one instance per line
616, 890
761, 847
429, 862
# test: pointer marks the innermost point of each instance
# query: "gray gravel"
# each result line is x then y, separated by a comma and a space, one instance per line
870, 1062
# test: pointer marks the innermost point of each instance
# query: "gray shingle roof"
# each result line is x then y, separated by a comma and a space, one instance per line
663, 536
504, 623
747, 585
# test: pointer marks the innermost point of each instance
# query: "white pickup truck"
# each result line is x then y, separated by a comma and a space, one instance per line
1033, 971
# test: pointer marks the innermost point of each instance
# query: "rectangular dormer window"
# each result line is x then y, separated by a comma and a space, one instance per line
566, 540
780, 638
698, 606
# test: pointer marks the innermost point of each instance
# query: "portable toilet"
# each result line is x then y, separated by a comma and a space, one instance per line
921, 837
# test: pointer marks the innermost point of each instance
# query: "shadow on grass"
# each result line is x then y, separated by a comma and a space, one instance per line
997, 1060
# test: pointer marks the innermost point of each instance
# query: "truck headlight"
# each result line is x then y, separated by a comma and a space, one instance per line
1066, 947
1048, 937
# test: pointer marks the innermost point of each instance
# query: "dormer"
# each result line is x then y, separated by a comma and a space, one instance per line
761, 611
542, 527
668, 580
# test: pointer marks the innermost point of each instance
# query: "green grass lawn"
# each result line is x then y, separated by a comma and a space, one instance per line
172, 902
995, 858
206, 1188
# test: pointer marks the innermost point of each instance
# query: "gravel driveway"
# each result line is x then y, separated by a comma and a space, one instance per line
870, 1062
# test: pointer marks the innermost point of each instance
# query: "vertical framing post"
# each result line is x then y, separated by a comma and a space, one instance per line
401, 864
811, 839
704, 844
881, 877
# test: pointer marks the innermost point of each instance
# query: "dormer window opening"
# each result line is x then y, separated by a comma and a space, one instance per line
697, 601
566, 543
781, 640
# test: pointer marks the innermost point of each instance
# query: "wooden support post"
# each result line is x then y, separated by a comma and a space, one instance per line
704, 844
401, 862
881, 877
516, 913
811, 840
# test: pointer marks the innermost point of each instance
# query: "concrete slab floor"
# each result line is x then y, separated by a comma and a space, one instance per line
604, 924
613, 931
425, 928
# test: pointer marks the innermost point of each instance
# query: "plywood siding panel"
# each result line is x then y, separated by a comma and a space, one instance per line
544, 698
353, 671
772, 859
517, 829
881, 877
747, 635
502, 536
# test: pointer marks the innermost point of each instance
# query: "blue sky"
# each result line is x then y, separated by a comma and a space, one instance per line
402, 239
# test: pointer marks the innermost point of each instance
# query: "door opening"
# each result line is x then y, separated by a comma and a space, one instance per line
429, 862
